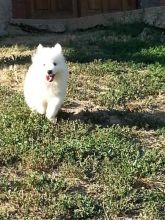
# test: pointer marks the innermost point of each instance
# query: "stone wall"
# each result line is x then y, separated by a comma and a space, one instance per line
155, 16
5, 15
149, 3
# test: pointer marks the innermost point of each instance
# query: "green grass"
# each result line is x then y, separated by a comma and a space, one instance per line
105, 157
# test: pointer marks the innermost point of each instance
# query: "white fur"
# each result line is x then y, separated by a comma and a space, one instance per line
41, 95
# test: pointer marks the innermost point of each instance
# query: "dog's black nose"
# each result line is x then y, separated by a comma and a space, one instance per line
49, 71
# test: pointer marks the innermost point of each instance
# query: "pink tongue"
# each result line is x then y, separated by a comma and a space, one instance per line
49, 78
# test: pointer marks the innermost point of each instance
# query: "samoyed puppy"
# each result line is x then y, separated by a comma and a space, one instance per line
46, 81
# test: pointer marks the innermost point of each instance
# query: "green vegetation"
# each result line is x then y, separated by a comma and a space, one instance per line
105, 158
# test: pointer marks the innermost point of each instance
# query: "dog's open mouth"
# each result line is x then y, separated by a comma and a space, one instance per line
50, 78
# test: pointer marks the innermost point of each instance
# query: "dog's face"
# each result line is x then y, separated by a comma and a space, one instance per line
49, 61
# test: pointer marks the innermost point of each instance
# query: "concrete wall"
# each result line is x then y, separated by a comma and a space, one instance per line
5, 15
149, 3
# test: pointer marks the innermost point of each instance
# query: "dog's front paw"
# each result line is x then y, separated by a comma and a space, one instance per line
52, 120
41, 110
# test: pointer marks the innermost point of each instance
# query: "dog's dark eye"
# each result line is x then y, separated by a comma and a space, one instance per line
55, 64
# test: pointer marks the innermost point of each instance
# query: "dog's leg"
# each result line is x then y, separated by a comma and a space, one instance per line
41, 108
52, 109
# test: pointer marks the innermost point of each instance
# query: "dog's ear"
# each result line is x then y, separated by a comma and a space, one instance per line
58, 48
39, 47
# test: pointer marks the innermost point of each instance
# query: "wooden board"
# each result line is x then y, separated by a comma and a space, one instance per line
68, 8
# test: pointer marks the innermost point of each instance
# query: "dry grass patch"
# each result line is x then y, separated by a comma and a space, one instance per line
13, 77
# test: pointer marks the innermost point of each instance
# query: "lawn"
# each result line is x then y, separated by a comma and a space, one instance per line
105, 158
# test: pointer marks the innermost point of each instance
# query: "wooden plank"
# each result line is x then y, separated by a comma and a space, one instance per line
68, 8
162, 2
19, 9
28, 8
105, 5
90, 7
129, 4
64, 5
31, 8
64, 9
82, 7
94, 5
115, 5
42, 5
53, 6
75, 8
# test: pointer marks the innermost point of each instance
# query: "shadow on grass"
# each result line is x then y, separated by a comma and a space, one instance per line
133, 50
106, 118
119, 42
102, 118
8, 61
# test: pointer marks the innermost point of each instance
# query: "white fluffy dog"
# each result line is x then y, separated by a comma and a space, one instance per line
46, 81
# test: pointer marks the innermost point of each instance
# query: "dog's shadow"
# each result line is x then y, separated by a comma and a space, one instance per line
107, 118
